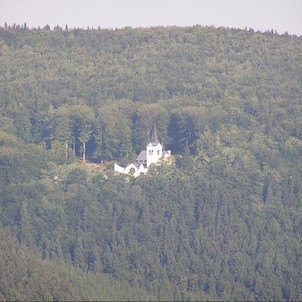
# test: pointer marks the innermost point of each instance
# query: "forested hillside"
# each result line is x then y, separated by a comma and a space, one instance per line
26, 277
224, 222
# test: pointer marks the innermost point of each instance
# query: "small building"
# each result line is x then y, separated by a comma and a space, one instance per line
154, 154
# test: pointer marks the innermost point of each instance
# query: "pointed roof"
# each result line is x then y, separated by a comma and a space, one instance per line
154, 137
142, 157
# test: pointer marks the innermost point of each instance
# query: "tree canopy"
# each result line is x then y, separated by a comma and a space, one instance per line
223, 222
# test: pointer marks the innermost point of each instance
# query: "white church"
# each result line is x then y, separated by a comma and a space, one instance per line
154, 154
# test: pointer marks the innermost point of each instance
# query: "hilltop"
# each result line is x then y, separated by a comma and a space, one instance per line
222, 223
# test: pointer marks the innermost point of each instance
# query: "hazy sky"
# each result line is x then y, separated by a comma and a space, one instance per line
280, 15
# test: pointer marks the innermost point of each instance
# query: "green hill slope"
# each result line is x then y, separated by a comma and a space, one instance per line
26, 277
222, 223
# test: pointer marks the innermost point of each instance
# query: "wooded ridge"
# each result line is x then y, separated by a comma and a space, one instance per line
224, 222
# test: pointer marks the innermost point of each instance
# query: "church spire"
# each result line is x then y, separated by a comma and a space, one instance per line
154, 137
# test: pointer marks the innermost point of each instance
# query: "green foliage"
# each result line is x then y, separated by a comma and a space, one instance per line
26, 277
114, 131
222, 223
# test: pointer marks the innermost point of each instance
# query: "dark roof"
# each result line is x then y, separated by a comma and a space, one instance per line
154, 137
142, 156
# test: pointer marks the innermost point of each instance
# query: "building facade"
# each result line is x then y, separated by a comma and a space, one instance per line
154, 154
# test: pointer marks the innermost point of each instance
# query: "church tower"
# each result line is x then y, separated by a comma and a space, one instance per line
154, 148
154, 154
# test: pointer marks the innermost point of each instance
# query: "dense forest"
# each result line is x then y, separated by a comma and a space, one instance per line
223, 222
